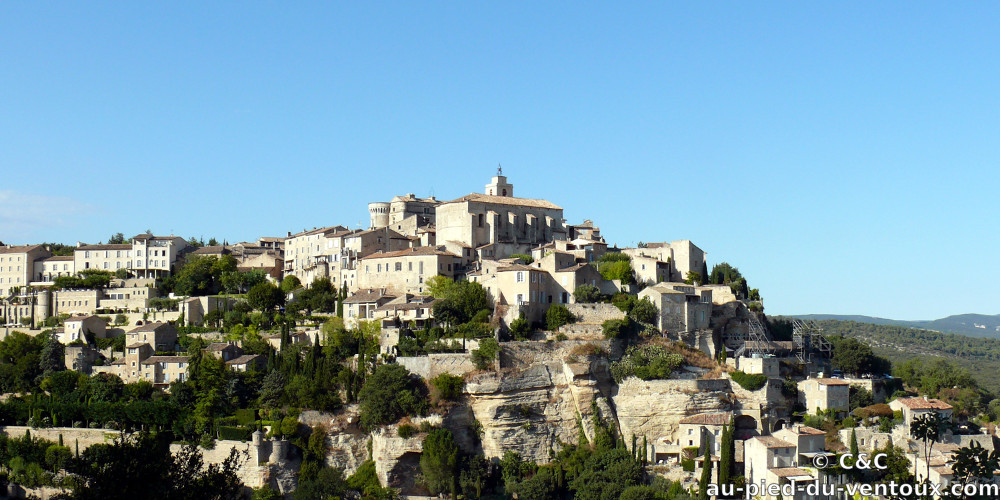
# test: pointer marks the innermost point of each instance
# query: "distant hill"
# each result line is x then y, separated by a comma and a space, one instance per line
972, 325
980, 355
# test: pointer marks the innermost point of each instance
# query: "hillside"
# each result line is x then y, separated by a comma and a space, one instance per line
972, 325
897, 343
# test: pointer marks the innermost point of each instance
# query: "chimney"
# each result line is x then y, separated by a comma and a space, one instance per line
289, 234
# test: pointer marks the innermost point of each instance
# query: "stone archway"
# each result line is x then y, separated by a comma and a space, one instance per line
746, 427
779, 424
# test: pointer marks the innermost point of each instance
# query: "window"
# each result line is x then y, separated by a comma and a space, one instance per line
420, 265
520, 298
399, 266
480, 220
520, 276
409, 266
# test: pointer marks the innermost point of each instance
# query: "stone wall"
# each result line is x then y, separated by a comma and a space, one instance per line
71, 435
261, 463
595, 313
528, 354
433, 365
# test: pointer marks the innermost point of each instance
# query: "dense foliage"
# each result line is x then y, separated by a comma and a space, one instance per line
647, 362
749, 381
389, 394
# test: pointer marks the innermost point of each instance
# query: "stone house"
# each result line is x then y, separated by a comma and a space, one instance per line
161, 371
917, 407
825, 394
82, 328
224, 350
160, 336
681, 307
406, 271
246, 362
48, 269
362, 305
17, 264
703, 430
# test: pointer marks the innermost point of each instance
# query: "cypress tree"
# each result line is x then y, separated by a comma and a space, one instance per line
726, 453
706, 475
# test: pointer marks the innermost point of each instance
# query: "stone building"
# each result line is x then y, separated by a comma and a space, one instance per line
917, 407
825, 394
496, 224
82, 328
48, 269
404, 214
681, 307
682, 255
406, 271
17, 264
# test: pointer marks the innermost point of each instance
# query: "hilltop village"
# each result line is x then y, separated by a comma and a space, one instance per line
480, 347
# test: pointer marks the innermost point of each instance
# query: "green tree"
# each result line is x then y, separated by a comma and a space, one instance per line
439, 462
447, 386
289, 283
557, 315
265, 297
52, 358
727, 453
928, 429
643, 311
693, 277
487, 352
388, 394
706, 475
586, 294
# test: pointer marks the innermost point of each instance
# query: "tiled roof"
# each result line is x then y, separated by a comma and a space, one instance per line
831, 381
517, 267
410, 252
242, 360
58, 258
136, 345
18, 248
217, 346
720, 418
505, 200
805, 429
920, 403
110, 246
212, 250
789, 472
369, 296
148, 327
165, 359
773, 442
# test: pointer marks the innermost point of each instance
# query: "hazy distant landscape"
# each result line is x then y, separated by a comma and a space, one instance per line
973, 325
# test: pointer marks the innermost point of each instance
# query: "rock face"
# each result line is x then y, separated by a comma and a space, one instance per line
654, 408
533, 411
347, 444
397, 460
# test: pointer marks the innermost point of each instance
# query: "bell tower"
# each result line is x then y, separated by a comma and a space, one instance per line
499, 186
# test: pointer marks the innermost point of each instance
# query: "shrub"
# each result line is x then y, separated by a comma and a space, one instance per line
750, 382
527, 259
588, 349
488, 351
557, 315
447, 386
406, 431
649, 362
519, 328
235, 433
687, 464
614, 328
643, 311
561, 337
586, 294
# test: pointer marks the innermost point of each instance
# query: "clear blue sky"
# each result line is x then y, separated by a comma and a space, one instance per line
844, 156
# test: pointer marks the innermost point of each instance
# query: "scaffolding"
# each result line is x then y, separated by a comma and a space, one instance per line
808, 338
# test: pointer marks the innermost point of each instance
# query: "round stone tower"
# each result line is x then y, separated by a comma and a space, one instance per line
379, 212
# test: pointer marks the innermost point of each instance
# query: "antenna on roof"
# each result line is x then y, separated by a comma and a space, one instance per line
499, 169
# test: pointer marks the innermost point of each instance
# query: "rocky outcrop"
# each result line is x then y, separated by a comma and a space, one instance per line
397, 460
654, 408
533, 411
347, 444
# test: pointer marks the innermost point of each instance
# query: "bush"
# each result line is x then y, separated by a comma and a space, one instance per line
561, 337
643, 311
488, 351
389, 394
447, 386
750, 382
615, 328
586, 294
527, 259
235, 433
557, 315
687, 464
649, 362
519, 328
406, 431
